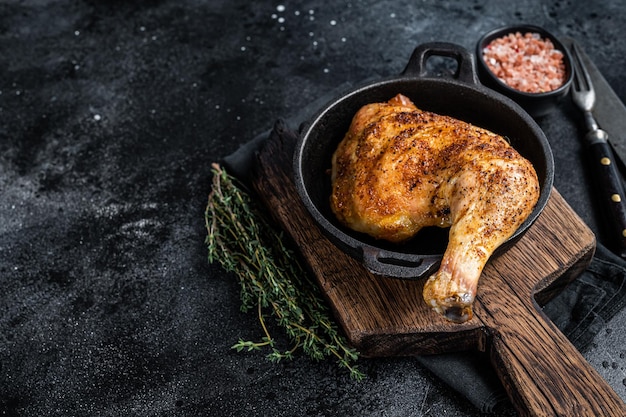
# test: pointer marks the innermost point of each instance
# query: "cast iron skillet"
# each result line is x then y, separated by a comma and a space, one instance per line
462, 97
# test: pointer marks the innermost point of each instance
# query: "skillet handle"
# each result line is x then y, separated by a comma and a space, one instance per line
466, 70
396, 265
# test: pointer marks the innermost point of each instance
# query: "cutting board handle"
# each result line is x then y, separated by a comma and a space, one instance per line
543, 373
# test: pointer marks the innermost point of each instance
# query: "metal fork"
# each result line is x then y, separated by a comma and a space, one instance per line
608, 178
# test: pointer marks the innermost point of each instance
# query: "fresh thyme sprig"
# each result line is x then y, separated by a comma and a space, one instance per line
271, 278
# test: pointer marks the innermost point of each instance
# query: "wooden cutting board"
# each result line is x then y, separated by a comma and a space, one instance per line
543, 373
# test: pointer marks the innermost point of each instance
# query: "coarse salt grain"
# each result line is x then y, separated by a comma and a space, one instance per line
527, 63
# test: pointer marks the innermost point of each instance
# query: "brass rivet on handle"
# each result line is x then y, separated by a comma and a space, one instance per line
616, 198
605, 161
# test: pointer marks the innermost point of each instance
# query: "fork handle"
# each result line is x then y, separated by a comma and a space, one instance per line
610, 183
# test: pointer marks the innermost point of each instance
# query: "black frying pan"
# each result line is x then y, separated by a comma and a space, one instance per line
462, 97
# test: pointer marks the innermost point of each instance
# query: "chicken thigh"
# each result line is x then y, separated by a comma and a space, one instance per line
399, 169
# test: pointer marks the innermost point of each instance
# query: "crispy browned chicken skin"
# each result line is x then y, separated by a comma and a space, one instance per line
399, 169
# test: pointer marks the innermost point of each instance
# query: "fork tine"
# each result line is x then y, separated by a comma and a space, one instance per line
580, 73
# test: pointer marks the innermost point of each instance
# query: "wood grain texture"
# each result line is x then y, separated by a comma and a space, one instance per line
542, 371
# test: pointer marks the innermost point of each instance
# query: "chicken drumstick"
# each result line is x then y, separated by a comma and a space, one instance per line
399, 169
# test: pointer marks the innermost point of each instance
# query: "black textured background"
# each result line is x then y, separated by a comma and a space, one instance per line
111, 113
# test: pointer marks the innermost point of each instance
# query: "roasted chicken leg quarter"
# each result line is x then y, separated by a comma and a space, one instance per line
399, 169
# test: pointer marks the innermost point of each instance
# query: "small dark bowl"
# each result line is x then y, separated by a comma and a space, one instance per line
536, 104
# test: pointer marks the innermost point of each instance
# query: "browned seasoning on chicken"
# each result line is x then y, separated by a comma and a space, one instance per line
399, 169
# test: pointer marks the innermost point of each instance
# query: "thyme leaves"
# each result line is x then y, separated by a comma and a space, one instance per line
271, 278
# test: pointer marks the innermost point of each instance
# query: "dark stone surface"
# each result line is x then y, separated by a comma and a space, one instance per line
111, 114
